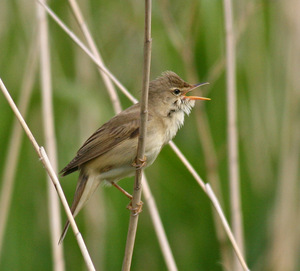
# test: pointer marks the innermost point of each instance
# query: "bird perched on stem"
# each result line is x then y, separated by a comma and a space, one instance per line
109, 154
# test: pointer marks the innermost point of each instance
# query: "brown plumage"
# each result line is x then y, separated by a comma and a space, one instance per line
108, 155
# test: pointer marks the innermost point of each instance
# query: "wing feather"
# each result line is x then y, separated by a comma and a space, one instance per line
114, 132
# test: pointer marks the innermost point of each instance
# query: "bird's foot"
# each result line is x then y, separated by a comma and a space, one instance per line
140, 163
135, 210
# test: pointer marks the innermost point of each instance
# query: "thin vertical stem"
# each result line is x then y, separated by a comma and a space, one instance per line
46, 88
141, 142
284, 229
16, 140
87, 51
232, 132
170, 261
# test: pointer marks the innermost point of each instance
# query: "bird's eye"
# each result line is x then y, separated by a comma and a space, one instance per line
176, 91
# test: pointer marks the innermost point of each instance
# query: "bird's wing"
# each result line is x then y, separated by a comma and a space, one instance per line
121, 127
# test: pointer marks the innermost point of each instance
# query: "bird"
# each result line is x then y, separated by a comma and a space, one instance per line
109, 154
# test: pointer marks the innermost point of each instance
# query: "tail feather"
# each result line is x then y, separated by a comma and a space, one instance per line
85, 188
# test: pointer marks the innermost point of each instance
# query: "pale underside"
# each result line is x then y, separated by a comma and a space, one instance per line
108, 155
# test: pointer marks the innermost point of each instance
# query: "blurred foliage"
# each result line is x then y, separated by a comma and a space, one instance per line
81, 105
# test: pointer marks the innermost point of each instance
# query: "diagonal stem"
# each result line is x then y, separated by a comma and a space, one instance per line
217, 205
165, 246
122, 88
88, 52
107, 81
44, 159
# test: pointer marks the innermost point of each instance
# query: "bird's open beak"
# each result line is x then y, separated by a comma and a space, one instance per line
196, 97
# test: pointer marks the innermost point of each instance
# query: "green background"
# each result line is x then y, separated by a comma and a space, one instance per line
268, 63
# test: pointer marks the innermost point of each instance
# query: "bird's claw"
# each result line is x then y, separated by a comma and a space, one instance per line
139, 163
135, 210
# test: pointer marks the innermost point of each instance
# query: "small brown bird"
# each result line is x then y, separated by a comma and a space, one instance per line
109, 154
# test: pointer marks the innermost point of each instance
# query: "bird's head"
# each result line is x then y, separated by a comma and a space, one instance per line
168, 93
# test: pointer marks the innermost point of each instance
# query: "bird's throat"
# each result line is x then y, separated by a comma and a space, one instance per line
175, 117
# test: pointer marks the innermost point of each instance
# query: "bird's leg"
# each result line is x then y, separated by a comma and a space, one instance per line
122, 190
139, 163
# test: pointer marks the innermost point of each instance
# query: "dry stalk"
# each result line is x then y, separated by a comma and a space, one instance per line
88, 52
50, 141
107, 81
232, 131
97, 225
122, 88
244, 20
188, 165
162, 238
158, 226
137, 192
216, 204
44, 159
214, 200
211, 162
170, 261
185, 48
16, 139
284, 227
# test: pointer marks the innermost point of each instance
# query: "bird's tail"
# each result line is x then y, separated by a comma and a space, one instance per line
86, 186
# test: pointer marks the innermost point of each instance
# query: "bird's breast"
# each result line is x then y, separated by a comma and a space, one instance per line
154, 143
173, 122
